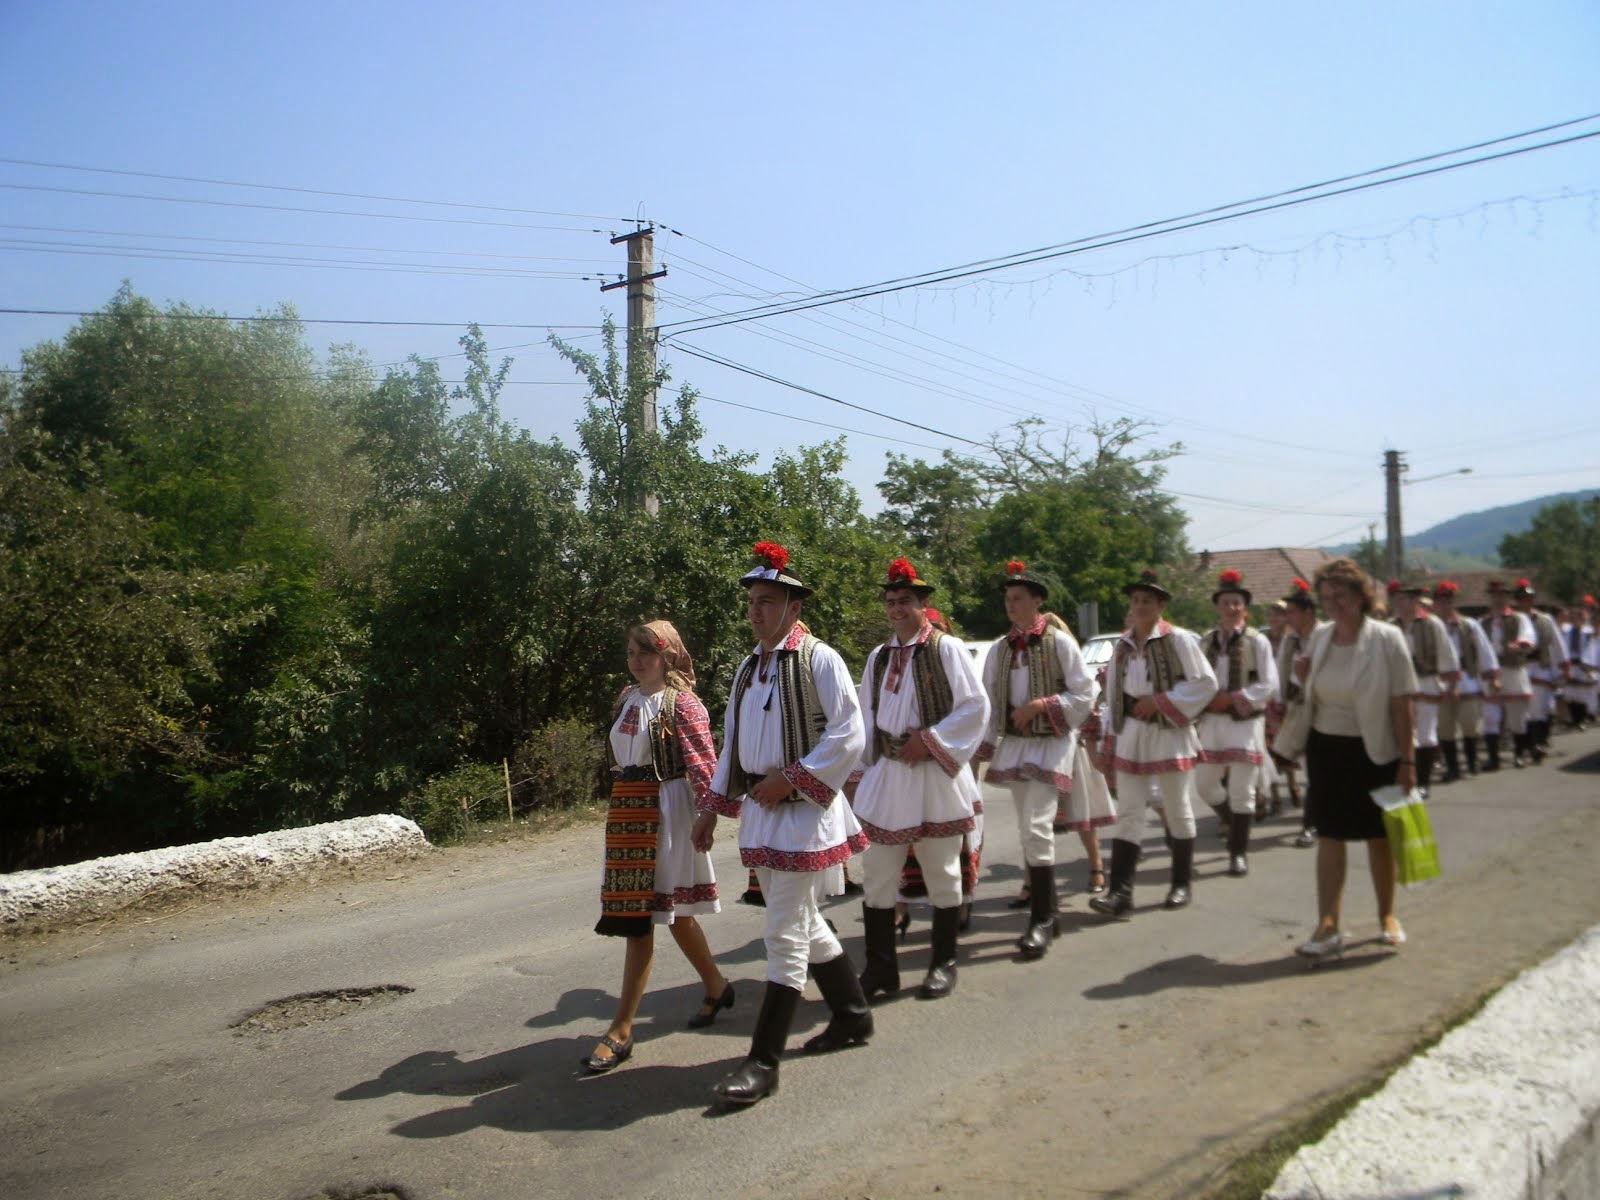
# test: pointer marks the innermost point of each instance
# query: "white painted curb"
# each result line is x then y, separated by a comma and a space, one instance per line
1503, 1108
65, 895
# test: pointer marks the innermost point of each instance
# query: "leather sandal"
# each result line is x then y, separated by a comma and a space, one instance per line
619, 1055
711, 1006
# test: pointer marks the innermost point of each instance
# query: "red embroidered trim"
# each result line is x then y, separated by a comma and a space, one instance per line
917, 833
940, 755
699, 893
1236, 755
1170, 710
1028, 771
808, 785
1091, 727
1057, 718
984, 752
716, 802
694, 736
796, 636
1165, 766
630, 721
804, 860
977, 807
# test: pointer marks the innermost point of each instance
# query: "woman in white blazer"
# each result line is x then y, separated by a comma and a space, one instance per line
1359, 683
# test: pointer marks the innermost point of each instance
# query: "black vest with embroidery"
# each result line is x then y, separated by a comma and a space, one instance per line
804, 720
666, 751
1162, 666
928, 676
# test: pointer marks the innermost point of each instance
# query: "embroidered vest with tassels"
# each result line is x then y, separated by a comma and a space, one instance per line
1424, 639
804, 720
1161, 664
1045, 678
1467, 650
1507, 626
666, 751
934, 696
1242, 666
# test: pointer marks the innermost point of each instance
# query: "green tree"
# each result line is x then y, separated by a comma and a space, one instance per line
1561, 546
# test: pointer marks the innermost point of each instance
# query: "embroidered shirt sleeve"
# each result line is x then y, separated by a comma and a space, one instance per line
808, 785
1068, 709
1188, 698
957, 739
694, 735
715, 798
821, 774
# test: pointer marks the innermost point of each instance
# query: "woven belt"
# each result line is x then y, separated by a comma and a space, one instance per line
890, 745
634, 774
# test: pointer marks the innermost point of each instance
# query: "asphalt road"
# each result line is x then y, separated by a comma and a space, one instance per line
120, 1073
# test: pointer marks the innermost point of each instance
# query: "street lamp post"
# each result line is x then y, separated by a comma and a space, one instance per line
1393, 467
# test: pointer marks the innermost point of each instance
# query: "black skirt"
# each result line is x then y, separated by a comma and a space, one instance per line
1340, 779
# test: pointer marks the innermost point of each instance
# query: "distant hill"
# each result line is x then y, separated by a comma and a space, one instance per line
1473, 539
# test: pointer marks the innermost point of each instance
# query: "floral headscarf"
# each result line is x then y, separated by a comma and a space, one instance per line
664, 639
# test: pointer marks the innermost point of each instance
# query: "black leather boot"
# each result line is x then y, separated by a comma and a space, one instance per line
851, 1022
882, 976
1119, 894
1042, 925
1238, 846
1491, 752
941, 977
1519, 748
1425, 769
1178, 895
1538, 740
1452, 762
758, 1076
1469, 754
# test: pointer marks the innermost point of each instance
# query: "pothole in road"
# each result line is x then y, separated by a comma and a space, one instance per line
309, 1008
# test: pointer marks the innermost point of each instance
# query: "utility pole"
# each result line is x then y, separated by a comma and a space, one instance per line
1394, 551
640, 283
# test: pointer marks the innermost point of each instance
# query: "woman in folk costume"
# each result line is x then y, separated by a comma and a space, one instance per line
1158, 684
1461, 709
1233, 729
1040, 692
661, 759
925, 712
792, 735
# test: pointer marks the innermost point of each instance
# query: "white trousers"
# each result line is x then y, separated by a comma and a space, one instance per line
1426, 715
1036, 814
940, 859
1172, 791
796, 934
1461, 716
1240, 790
1543, 705
1509, 716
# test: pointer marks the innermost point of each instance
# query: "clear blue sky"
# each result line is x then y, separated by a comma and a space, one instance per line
837, 144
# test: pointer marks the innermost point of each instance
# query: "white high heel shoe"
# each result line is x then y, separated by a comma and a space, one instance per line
1393, 937
1330, 943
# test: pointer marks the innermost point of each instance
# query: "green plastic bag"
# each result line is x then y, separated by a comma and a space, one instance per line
1405, 820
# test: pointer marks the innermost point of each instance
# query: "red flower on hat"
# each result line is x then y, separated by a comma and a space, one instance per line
1448, 587
1588, 601
1148, 575
1524, 583
1393, 586
901, 568
1230, 578
774, 555
1016, 568
1300, 585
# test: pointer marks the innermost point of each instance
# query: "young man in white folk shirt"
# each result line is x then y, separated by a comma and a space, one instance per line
925, 713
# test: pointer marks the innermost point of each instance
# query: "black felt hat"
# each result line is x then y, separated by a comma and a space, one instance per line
903, 575
1018, 575
772, 566
1230, 581
1148, 581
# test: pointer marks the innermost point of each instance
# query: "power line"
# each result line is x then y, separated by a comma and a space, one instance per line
305, 191
758, 374
327, 212
240, 258
166, 316
1289, 198
185, 237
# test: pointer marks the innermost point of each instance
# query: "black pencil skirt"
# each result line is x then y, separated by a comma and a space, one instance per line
1340, 780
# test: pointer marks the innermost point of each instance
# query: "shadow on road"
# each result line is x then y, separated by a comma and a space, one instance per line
1203, 971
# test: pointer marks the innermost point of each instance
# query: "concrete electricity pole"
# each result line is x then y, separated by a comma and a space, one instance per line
640, 283
1394, 551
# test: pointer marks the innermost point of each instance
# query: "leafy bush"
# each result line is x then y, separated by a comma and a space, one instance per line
559, 766
447, 805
